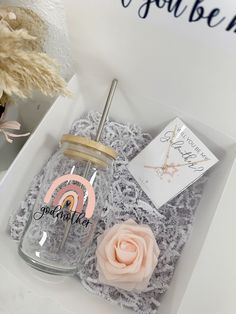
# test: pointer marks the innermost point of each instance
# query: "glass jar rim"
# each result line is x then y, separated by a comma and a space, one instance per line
87, 142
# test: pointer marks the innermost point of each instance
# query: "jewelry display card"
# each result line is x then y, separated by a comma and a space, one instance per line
171, 162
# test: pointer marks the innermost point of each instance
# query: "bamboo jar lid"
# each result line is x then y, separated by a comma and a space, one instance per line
84, 141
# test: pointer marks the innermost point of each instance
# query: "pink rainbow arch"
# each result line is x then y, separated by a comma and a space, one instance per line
74, 189
69, 177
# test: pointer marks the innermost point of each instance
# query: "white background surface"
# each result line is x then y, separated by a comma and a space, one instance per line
17, 298
211, 70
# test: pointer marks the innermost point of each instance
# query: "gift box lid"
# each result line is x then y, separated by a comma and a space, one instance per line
180, 54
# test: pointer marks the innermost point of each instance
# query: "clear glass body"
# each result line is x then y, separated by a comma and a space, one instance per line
69, 204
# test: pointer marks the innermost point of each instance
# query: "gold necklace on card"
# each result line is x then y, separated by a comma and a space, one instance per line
170, 169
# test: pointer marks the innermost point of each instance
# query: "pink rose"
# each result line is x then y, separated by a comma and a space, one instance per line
127, 255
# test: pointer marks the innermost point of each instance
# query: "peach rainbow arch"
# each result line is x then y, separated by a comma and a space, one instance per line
72, 177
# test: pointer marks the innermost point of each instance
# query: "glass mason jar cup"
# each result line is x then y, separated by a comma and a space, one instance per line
69, 204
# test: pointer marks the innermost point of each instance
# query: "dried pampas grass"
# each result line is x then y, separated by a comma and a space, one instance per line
28, 20
23, 65
22, 69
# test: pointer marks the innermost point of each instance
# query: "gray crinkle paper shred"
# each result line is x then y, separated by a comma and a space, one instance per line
171, 224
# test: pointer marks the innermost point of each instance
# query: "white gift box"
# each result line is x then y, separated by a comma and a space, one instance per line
31, 159
167, 67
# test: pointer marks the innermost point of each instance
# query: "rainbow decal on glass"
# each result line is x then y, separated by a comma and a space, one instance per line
72, 195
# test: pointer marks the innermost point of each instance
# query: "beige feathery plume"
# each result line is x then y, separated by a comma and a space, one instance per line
23, 65
28, 20
22, 70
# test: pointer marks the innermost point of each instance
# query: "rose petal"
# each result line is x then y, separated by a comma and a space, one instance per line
110, 253
126, 251
105, 238
135, 266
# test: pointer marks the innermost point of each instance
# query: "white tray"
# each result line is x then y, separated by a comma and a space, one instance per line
68, 292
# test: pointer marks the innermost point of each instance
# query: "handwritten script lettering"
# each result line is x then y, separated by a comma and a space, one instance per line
196, 12
190, 157
59, 213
